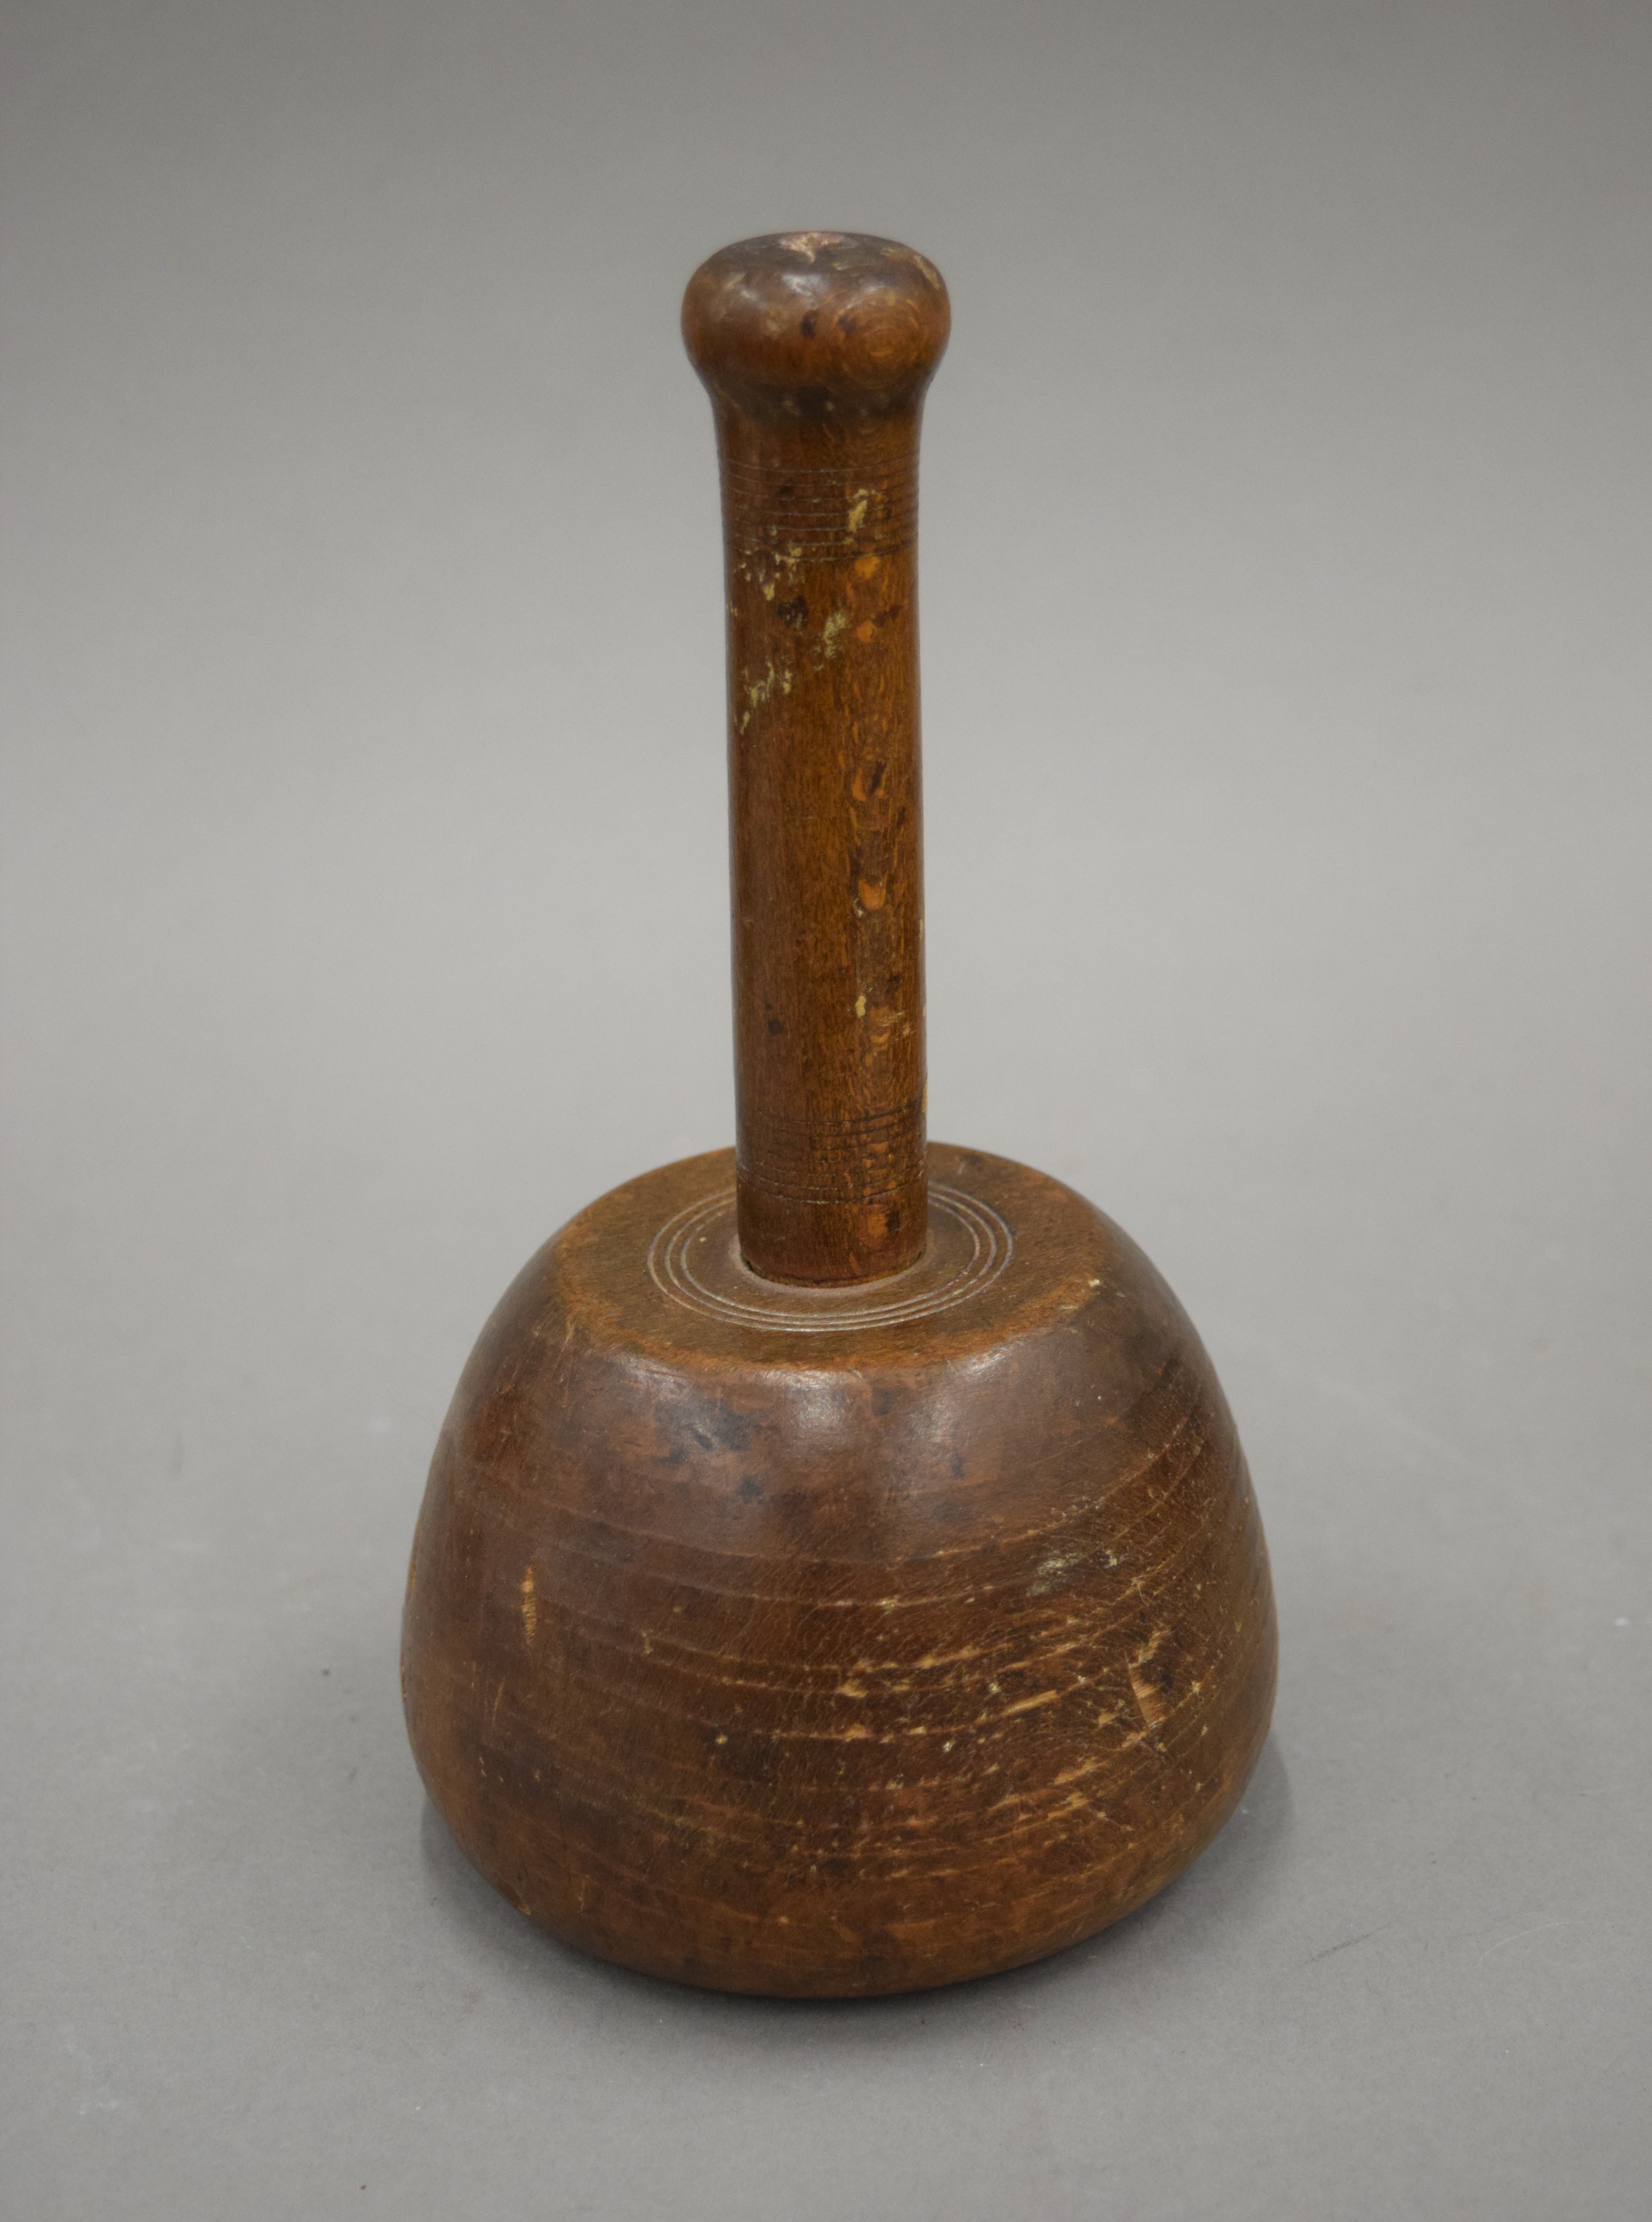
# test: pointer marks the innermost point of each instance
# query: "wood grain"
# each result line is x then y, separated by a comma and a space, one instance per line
844, 1661
816, 350
898, 1612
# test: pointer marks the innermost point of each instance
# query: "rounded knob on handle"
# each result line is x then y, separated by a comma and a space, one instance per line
816, 323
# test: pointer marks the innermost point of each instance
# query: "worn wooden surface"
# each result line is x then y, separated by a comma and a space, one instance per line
898, 1612
837, 1642
816, 349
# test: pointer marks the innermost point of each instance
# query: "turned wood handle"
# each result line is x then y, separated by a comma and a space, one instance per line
816, 347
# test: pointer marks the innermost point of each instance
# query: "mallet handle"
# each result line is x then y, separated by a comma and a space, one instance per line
816, 349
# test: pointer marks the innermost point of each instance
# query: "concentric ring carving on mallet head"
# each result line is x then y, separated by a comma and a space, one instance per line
827, 1583
693, 1260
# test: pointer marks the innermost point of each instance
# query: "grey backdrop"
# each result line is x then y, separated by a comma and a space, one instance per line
1288, 664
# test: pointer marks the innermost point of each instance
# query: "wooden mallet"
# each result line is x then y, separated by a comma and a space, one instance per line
838, 1573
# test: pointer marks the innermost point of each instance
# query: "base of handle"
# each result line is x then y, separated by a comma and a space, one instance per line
809, 1243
